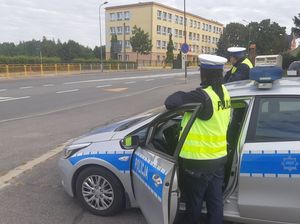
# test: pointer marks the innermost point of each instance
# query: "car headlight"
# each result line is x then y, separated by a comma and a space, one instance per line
72, 149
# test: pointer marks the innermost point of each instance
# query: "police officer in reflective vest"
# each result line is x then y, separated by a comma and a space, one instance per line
204, 151
240, 65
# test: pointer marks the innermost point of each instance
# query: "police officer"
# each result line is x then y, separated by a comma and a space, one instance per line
203, 154
240, 65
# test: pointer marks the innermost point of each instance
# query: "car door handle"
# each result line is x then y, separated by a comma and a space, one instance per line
157, 180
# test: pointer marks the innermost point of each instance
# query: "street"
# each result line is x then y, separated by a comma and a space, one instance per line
38, 115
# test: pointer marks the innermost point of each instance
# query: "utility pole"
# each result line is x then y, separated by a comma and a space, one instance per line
101, 59
124, 52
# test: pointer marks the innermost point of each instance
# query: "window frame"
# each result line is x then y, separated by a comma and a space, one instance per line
250, 136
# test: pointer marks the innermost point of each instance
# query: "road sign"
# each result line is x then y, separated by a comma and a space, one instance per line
185, 48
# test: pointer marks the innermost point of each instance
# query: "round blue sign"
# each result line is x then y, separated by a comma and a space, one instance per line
185, 48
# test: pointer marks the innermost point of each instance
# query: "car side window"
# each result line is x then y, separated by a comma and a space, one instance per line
276, 119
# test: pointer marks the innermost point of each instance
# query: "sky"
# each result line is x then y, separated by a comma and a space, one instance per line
78, 20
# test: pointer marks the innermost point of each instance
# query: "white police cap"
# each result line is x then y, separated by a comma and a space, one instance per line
236, 51
210, 61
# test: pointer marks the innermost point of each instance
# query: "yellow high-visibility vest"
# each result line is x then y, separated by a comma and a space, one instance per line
245, 61
206, 139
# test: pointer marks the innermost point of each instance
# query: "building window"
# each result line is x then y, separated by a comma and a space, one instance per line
190, 35
127, 44
209, 28
194, 36
175, 46
198, 36
158, 57
169, 17
120, 44
176, 33
112, 16
180, 33
181, 20
119, 30
197, 49
164, 30
176, 19
158, 14
203, 26
119, 15
206, 27
195, 24
126, 57
164, 44
209, 39
206, 38
126, 15
120, 57
127, 29
164, 16
158, 29
158, 44
169, 30
191, 23
199, 25
112, 30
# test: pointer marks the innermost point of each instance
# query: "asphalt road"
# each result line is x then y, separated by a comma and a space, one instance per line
38, 115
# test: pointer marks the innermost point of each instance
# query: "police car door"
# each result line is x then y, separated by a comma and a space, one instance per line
269, 183
154, 173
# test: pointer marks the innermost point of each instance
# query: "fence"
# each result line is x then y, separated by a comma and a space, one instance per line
15, 70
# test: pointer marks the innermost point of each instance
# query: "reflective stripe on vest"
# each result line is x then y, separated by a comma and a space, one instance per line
246, 61
207, 139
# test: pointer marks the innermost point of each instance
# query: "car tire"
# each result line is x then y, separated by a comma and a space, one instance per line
99, 191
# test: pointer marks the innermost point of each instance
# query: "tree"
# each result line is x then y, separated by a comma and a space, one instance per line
96, 52
140, 42
170, 48
114, 47
234, 34
296, 29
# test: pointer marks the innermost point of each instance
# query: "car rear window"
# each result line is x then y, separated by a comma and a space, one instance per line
294, 66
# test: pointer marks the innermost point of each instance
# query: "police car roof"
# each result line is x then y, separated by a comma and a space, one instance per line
284, 86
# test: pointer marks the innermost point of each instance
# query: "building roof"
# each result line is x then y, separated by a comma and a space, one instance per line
161, 5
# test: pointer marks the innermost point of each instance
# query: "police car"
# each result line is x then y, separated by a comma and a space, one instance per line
134, 163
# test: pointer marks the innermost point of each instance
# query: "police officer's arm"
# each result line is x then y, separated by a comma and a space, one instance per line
180, 98
242, 73
227, 76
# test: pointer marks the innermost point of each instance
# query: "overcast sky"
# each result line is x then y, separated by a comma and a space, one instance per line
22, 20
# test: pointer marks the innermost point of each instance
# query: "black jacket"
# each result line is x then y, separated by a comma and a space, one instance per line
241, 73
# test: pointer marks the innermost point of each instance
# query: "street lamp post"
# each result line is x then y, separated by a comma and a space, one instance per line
184, 22
101, 59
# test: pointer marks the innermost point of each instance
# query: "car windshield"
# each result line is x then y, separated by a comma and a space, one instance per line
133, 122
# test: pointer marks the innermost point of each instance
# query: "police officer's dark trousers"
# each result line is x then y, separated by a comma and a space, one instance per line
200, 186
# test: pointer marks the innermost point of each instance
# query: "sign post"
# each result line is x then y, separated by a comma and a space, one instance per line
185, 49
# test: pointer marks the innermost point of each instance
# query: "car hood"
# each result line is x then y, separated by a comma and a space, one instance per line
106, 132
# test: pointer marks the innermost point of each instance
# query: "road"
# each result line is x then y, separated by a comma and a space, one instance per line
40, 114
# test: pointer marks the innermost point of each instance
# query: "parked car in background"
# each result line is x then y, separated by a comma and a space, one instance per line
294, 69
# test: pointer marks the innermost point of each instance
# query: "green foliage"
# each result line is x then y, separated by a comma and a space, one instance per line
296, 29
34, 50
140, 41
22, 59
270, 38
178, 62
114, 47
97, 52
170, 48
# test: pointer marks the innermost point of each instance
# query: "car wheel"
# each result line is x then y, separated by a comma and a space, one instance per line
99, 191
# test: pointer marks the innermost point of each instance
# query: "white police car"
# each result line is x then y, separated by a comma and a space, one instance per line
135, 162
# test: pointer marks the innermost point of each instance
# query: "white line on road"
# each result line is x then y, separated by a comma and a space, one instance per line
5, 99
167, 77
26, 87
68, 91
130, 82
2, 90
46, 85
103, 86
128, 78
148, 80
4, 180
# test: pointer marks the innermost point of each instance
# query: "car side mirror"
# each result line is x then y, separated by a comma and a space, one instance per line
130, 142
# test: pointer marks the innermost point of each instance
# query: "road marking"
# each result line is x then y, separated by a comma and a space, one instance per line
130, 82
4, 180
116, 89
46, 85
148, 80
131, 77
5, 99
2, 90
167, 77
68, 91
26, 87
103, 86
